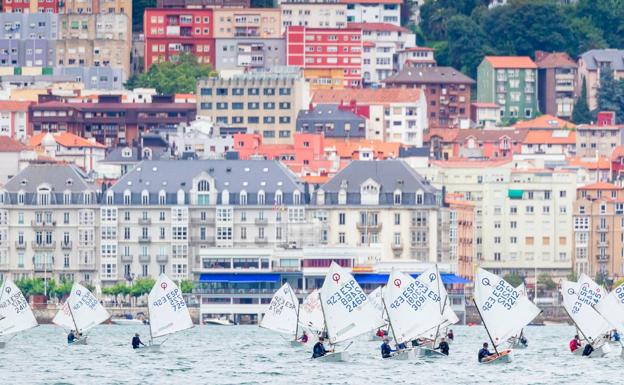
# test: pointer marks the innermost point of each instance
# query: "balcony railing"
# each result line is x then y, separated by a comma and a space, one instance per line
261, 221
261, 240
369, 226
43, 245
162, 258
34, 223
44, 266
145, 221
86, 266
144, 258
66, 245
20, 245
143, 239
127, 258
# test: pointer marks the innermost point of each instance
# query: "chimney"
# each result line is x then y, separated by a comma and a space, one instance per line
539, 55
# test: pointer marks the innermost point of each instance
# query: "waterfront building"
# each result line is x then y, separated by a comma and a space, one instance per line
598, 246
549, 142
334, 121
202, 3
262, 102
592, 64
557, 86
447, 92
201, 139
511, 82
262, 23
488, 144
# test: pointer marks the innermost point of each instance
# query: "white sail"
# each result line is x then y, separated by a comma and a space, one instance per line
311, 313
167, 310
612, 308
578, 300
503, 309
376, 298
281, 315
450, 318
348, 311
413, 305
81, 310
15, 313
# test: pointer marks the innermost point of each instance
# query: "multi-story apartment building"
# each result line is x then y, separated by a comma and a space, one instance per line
417, 57
172, 32
32, 6
381, 41
48, 224
598, 225
511, 82
265, 103
14, 119
330, 57
28, 40
461, 238
523, 216
96, 6
592, 64
249, 22
593, 140
107, 119
313, 14
394, 115
202, 3
447, 92
556, 83
249, 53
382, 11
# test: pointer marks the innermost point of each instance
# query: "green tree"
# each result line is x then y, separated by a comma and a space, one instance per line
186, 286
581, 113
572, 276
607, 15
466, 44
170, 78
141, 287
61, 290
546, 280
138, 9
610, 94
513, 279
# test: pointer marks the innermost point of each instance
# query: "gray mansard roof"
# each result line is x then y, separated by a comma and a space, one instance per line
594, 57
59, 179
235, 176
390, 175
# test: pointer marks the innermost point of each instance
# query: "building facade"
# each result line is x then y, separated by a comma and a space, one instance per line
249, 22
383, 11
556, 83
511, 82
313, 14
249, 53
594, 140
592, 64
14, 119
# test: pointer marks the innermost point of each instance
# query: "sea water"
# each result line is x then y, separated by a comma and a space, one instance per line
250, 355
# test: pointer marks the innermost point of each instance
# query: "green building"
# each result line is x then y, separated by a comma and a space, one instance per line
510, 82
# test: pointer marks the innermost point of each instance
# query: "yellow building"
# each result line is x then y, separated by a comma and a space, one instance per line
249, 22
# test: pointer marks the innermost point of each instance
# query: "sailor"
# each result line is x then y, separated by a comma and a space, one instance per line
401, 346
575, 343
523, 340
484, 352
450, 335
304, 338
71, 337
386, 350
443, 346
380, 333
615, 335
136, 341
319, 349
588, 350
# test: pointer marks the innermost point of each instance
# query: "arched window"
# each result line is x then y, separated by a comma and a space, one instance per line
397, 197
110, 197
43, 196
147, 153
420, 197
203, 186
279, 197
162, 197
88, 198
297, 197
67, 197
20, 197
225, 197
261, 197
145, 197
243, 198
127, 197
180, 197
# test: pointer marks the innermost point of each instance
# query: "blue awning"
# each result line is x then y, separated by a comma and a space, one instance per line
238, 278
382, 279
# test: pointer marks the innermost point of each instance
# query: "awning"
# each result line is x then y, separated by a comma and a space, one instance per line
515, 194
382, 279
238, 278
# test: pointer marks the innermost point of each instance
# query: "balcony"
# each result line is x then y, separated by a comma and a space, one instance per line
43, 246
66, 245
43, 224
603, 243
370, 227
602, 229
20, 245
397, 247
144, 258
143, 239
126, 258
43, 266
145, 221
602, 258
162, 258
86, 266
261, 221
210, 239
262, 240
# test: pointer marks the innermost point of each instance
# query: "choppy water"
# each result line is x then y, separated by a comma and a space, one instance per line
250, 355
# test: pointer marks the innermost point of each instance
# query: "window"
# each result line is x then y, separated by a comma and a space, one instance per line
341, 238
529, 241
397, 218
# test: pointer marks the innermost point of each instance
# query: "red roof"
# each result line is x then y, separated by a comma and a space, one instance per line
65, 139
13, 105
590, 164
386, 27
600, 186
550, 137
366, 95
510, 61
617, 153
11, 145
416, 49
546, 122
371, 1
446, 134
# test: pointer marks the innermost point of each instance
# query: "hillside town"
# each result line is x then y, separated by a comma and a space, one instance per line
315, 132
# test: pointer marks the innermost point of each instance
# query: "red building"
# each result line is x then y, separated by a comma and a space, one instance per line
488, 144
172, 32
330, 57
25, 6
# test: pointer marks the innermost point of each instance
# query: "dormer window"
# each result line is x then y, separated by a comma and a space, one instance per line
225, 197
397, 197
279, 197
261, 197
162, 197
43, 196
67, 198
203, 186
420, 198
110, 197
127, 197
126, 153
20, 198
145, 197
297, 198
243, 198
147, 153
88, 198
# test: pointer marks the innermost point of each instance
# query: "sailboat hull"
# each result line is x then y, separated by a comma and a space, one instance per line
514, 343
425, 351
342, 356
504, 357
149, 348
296, 344
597, 353
405, 354
82, 341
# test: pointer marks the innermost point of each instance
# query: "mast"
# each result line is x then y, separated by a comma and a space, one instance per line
390, 322
485, 326
578, 329
72, 315
441, 306
295, 300
324, 318
1, 294
149, 318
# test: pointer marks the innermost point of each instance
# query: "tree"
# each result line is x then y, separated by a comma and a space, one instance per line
572, 276
141, 287
513, 279
581, 113
466, 44
610, 93
170, 78
186, 286
60, 290
138, 9
546, 280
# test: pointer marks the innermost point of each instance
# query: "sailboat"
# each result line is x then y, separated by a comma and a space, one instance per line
347, 311
579, 300
503, 311
376, 297
80, 312
413, 307
515, 340
167, 311
611, 308
311, 313
15, 313
282, 315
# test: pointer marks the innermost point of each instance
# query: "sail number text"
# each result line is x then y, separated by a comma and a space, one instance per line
350, 295
503, 294
415, 294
